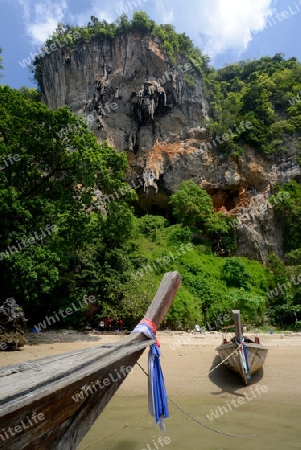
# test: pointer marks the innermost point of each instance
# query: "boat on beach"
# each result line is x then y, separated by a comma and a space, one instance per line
240, 354
51, 403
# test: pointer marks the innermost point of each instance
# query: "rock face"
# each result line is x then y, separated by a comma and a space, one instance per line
12, 325
240, 188
126, 89
135, 99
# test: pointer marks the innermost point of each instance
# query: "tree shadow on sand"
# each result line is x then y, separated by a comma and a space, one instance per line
229, 381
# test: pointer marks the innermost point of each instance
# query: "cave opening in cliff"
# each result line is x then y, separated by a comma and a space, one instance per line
153, 203
225, 199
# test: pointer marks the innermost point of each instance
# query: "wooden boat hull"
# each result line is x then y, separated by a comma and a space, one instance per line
257, 354
51, 394
70, 391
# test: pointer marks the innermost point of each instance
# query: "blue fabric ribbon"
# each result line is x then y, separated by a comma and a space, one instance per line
244, 358
157, 397
158, 403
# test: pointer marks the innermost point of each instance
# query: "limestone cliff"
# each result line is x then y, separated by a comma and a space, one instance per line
126, 88
135, 99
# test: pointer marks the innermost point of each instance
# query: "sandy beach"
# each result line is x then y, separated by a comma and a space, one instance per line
186, 360
189, 357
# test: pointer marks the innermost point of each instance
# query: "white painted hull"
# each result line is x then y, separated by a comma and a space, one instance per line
256, 357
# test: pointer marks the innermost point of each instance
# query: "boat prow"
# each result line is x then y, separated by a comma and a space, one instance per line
242, 355
53, 408
256, 354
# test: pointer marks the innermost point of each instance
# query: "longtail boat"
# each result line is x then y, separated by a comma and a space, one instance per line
53, 404
241, 354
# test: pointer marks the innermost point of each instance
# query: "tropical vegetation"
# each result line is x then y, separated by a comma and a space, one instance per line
49, 178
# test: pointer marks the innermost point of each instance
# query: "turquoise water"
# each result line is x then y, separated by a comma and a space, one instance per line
126, 425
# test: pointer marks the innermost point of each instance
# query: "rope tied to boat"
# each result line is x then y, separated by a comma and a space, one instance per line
222, 362
197, 420
151, 328
157, 397
243, 354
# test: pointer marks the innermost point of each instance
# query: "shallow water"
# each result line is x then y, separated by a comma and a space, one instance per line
126, 425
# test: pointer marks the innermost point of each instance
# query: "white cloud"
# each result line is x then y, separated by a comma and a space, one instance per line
164, 11
223, 25
97, 9
42, 18
232, 22
215, 26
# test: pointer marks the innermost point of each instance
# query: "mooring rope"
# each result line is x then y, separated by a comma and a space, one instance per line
197, 420
38, 367
139, 418
235, 351
116, 431
207, 426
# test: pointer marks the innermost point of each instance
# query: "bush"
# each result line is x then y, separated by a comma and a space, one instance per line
178, 235
149, 225
235, 274
185, 311
142, 22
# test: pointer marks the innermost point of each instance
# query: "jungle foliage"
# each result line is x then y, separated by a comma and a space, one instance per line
56, 179
50, 176
265, 93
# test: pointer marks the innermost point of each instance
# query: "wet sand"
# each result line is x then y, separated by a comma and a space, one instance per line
271, 418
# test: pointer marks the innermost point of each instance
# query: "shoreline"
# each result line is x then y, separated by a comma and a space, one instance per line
188, 383
186, 360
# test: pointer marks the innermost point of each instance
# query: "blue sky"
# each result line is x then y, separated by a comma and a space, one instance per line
227, 30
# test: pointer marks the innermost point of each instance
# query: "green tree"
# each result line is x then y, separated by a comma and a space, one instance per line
138, 295
287, 203
251, 304
235, 274
30, 93
192, 206
150, 225
123, 23
142, 22
53, 173
285, 301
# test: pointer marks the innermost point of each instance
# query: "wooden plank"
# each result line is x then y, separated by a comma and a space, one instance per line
236, 318
52, 391
28, 386
163, 298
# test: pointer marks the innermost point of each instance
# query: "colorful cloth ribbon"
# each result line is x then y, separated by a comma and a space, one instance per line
157, 397
244, 358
